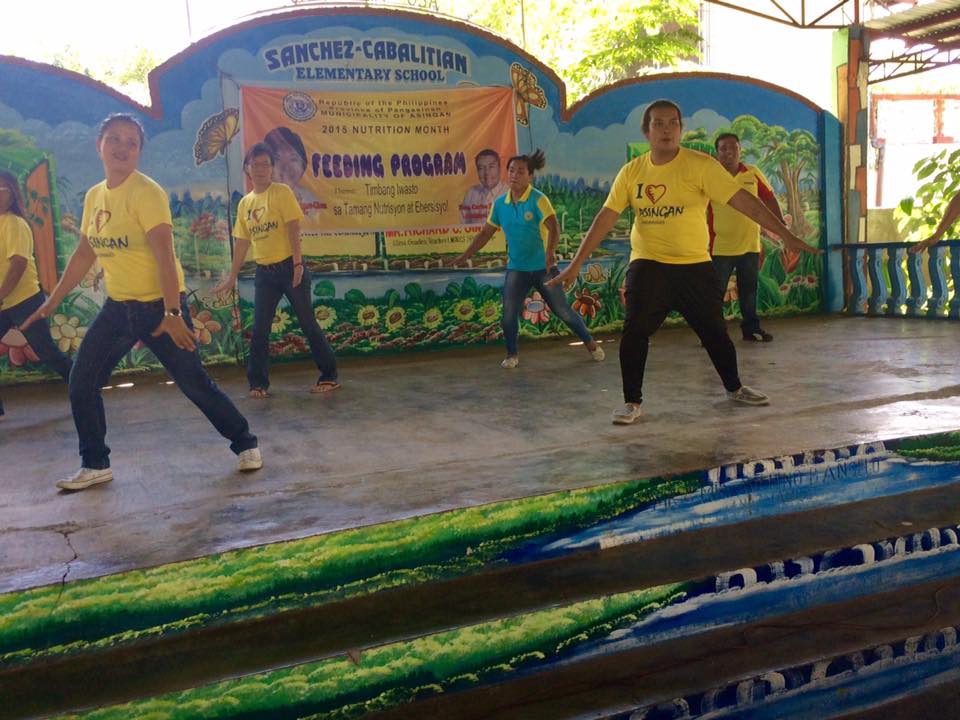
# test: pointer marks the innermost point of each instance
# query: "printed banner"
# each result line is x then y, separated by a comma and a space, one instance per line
367, 162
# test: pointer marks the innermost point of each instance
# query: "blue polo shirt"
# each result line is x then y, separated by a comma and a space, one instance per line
521, 220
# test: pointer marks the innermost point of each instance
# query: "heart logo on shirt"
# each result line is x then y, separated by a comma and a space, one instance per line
655, 192
102, 218
258, 213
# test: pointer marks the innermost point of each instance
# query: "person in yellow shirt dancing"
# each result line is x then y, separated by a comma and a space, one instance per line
127, 226
20, 293
268, 220
735, 238
670, 268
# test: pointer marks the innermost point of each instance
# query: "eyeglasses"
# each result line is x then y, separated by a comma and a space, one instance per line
260, 165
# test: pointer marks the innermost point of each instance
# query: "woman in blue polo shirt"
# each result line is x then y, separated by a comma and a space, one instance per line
528, 222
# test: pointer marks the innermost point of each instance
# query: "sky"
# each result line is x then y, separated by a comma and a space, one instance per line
101, 28
799, 60
40, 28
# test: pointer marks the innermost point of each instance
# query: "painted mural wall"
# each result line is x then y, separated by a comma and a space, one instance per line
378, 118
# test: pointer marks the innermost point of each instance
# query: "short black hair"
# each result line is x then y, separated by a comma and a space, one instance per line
724, 136
656, 105
487, 152
259, 149
113, 118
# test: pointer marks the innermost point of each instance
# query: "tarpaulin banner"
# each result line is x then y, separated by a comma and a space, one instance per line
367, 162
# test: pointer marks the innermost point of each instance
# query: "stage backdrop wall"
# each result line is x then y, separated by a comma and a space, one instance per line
379, 117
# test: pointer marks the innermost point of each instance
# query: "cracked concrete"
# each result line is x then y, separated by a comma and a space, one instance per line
425, 432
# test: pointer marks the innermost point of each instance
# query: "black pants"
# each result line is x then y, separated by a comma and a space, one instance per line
653, 289
748, 271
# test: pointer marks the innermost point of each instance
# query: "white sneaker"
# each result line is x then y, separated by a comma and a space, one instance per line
748, 396
84, 478
597, 354
509, 362
249, 460
626, 414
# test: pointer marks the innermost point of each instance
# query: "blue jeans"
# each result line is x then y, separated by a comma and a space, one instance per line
748, 271
516, 285
270, 284
38, 335
110, 336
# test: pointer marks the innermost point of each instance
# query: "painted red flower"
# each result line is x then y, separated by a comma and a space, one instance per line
15, 345
586, 303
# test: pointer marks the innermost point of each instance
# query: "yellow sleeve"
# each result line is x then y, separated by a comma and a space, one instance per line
491, 219
152, 208
21, 244
240, 224
619, 196
718, 184
546, 208
290, 209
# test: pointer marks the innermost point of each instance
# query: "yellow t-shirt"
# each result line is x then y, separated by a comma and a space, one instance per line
116, 222
262, 219
669, 202
734, 233
16, 240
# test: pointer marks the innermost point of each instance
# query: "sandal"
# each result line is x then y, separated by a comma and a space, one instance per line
259, 393
324, 386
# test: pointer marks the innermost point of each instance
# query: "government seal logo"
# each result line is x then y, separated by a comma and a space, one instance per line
299, 106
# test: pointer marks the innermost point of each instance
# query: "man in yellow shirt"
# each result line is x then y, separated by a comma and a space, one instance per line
735, 238
670, 267
268, 222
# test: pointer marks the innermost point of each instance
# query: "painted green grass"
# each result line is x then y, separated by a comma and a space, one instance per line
103, 612
942, 446
392, 674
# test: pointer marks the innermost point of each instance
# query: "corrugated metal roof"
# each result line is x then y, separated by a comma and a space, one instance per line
935, 23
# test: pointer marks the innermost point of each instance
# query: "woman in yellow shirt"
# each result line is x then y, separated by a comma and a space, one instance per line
127, 226
268, 220
20, 293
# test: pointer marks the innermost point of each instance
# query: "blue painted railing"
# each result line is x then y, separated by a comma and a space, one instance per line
886, 279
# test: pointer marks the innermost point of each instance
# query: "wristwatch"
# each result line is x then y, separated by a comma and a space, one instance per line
172, 312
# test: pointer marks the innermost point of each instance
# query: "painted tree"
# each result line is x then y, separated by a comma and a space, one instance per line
790, 156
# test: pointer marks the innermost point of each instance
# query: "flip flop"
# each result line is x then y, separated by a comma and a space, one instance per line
259, 394
324, 386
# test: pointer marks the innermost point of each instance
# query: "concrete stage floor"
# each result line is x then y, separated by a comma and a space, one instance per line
424, 432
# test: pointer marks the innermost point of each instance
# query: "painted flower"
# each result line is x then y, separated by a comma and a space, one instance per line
280, 322
326, 316
790, 259
784, 289
812, 280
490, 311
67, 332
464, 310
16, 347
535, 309
204, 326
432, 318
731, 293
586, 303
395, 318
368, 315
